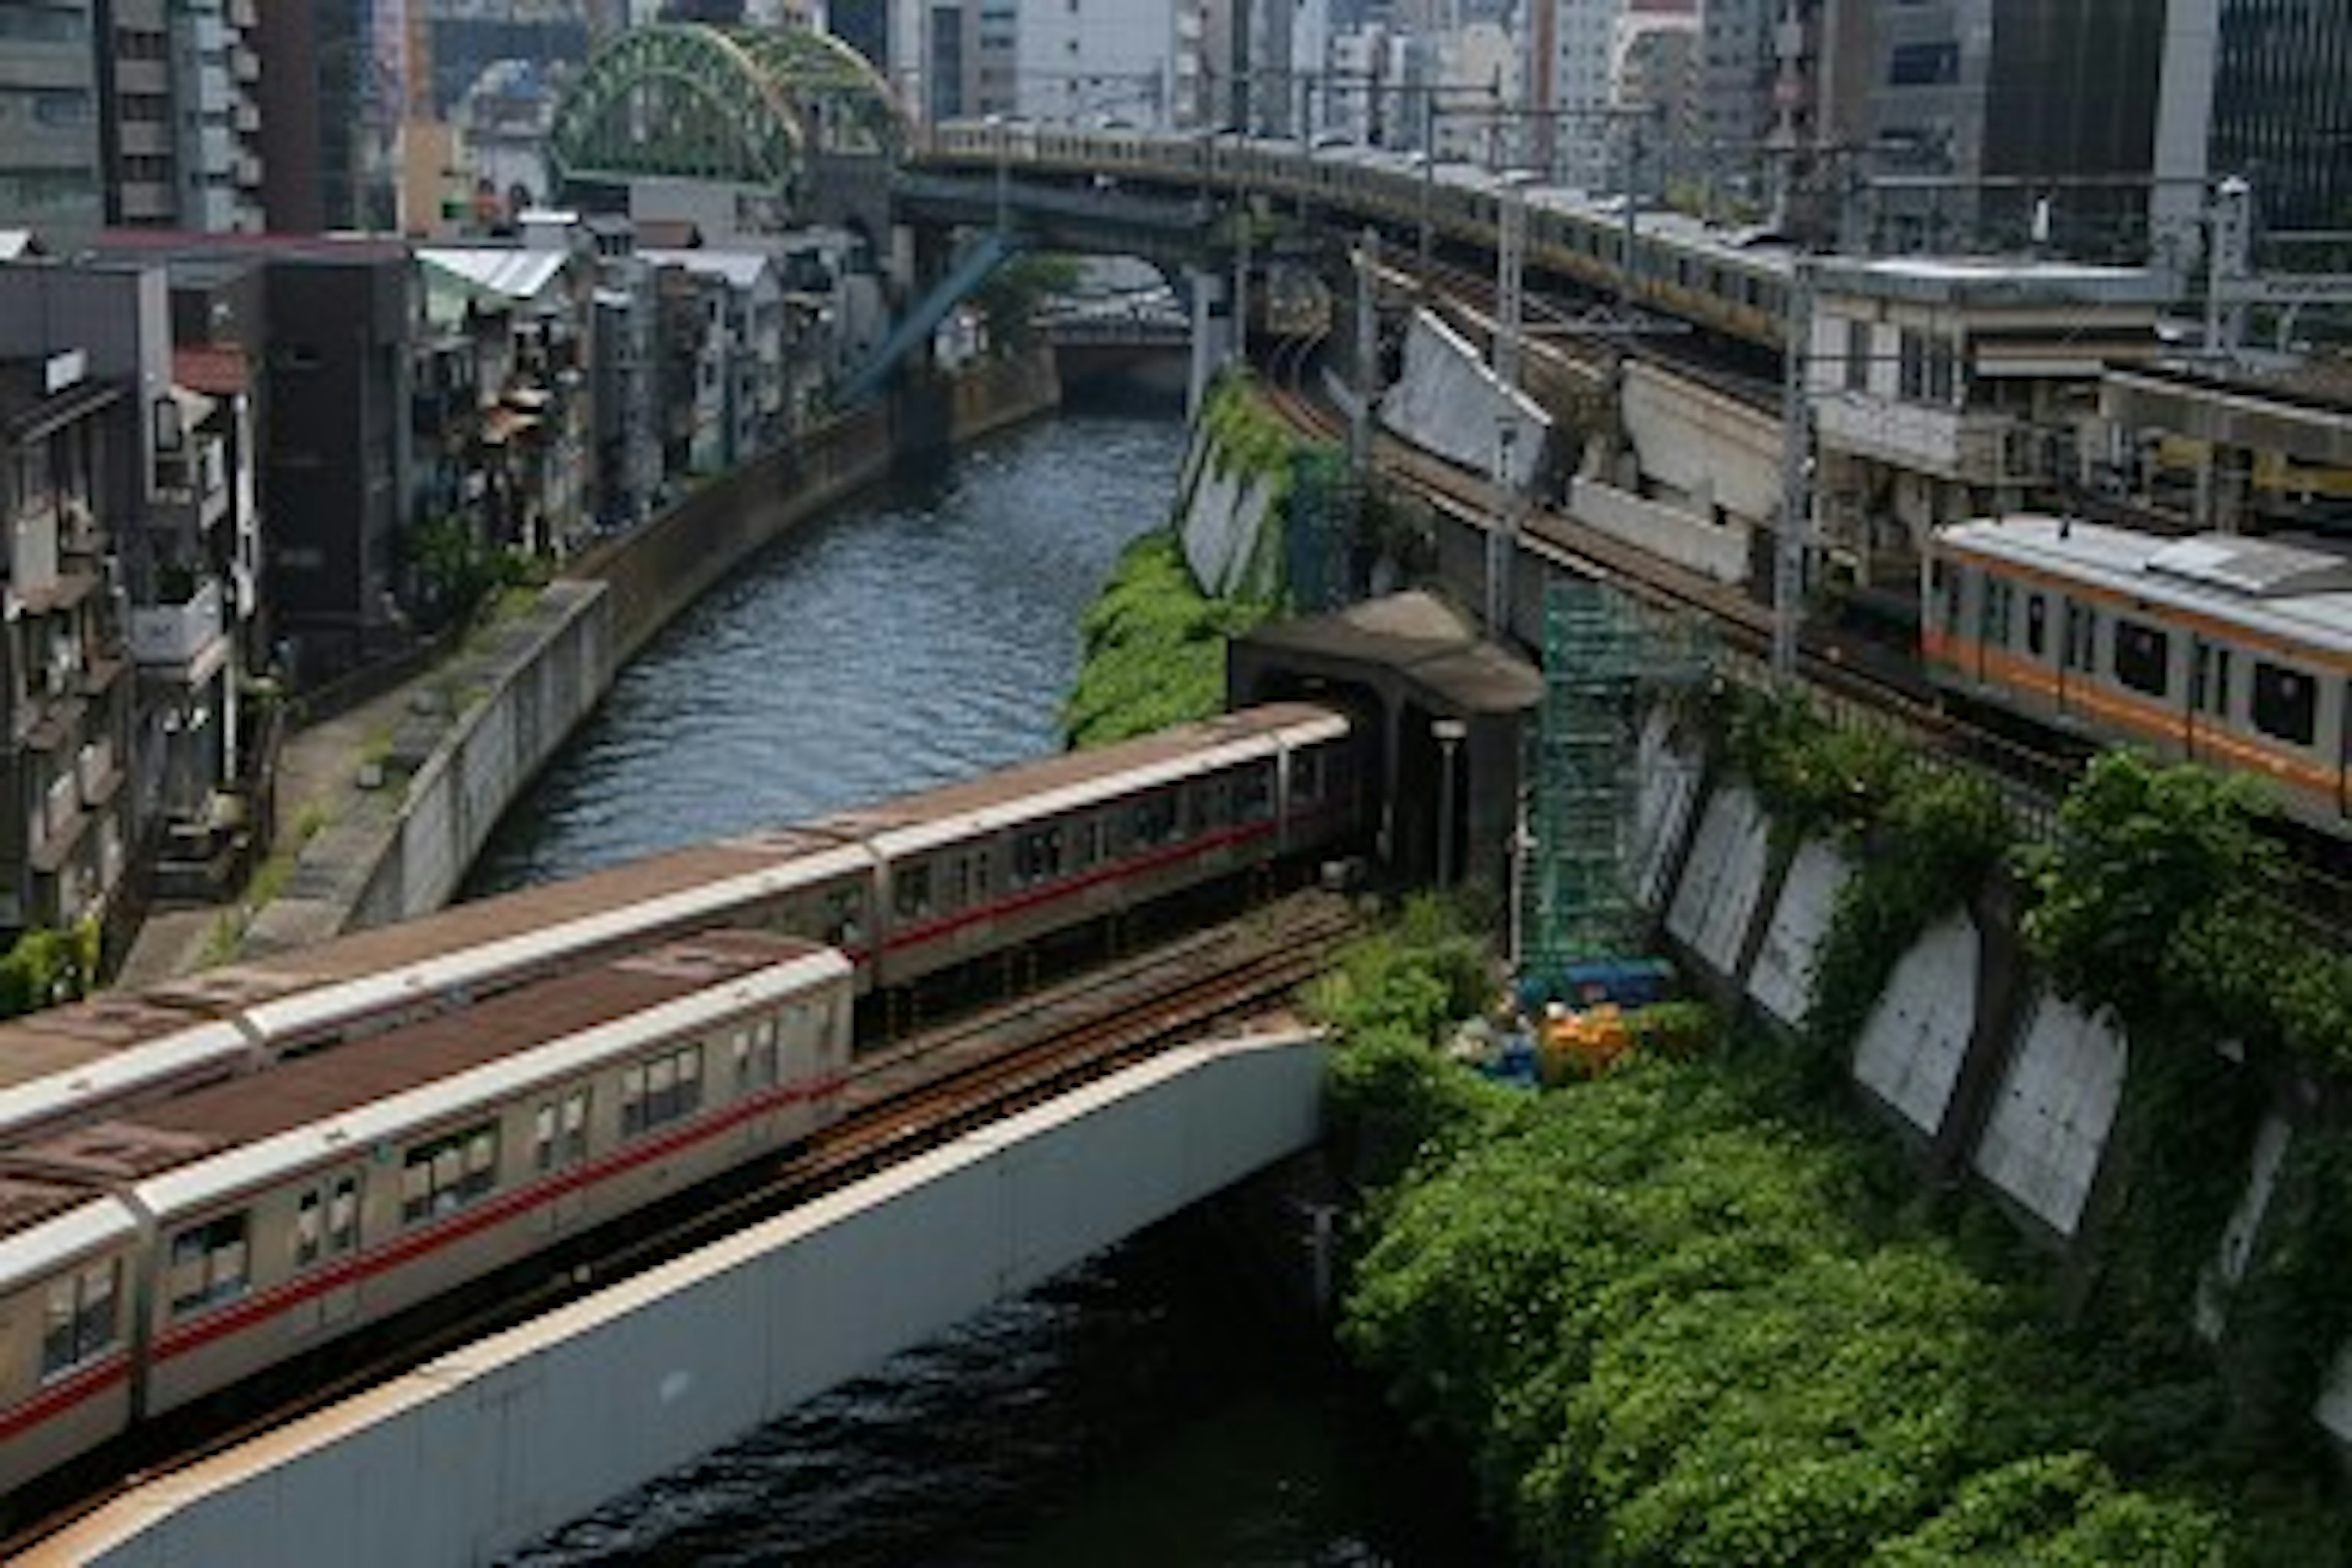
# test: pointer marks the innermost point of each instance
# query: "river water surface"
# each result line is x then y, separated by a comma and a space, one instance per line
1146, 1408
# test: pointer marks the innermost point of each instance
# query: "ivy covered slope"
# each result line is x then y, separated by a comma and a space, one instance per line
1155, 643
1693, 1312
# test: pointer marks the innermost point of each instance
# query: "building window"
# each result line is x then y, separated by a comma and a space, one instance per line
446, 1174
208, 1264
1857, 356
80, 1321
2286, 703
2143, 656
1924, 65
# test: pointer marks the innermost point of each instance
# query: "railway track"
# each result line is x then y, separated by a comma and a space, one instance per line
900, 1099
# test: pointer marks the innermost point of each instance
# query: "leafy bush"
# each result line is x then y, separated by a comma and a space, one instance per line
1154, 649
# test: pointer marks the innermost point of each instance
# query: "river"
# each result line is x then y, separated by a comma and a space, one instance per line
1144, 1409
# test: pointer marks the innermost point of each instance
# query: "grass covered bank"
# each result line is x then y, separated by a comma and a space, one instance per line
1154, 647
1687, 1313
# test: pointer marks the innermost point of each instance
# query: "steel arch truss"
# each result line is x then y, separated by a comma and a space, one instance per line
742, 106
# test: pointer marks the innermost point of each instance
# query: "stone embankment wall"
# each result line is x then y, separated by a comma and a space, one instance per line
1989, 1075
477, 731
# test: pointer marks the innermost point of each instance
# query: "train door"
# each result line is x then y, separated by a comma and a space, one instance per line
2344, 753
559, 1148
2078, 657
327, 1235
2209, 695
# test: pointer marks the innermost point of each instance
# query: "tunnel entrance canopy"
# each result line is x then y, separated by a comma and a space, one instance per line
767, 107
1451, 710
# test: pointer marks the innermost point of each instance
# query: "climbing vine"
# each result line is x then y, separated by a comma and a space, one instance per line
1920, 839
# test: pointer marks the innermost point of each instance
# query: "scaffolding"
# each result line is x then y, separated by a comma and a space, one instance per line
1601, 652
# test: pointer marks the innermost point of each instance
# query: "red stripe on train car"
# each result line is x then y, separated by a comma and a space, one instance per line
248, 1310
54, 1399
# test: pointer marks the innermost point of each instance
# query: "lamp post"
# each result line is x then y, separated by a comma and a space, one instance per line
1449, 733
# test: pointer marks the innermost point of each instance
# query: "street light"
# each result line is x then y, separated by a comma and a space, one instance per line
1449, 733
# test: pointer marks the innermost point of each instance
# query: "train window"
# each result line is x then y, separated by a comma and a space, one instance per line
1154, 818
208, 1264
1254, 793
78, 1320
661, 1090
1086, 842
2037, 624
2143, 656
910, 891
1306, 779
344, 1215
309, 1227
1036, 855
542, 1138
2286, 703
449, 1172
763, 1048
845, 911
1212, 804
2082, 637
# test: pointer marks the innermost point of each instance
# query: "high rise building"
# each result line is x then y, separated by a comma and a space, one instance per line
181, 118
50, 169
2282, 110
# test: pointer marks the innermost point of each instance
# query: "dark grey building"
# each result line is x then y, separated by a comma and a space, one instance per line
2000, 124
2282, 109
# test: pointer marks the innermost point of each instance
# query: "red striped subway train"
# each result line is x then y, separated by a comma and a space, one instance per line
207, 1176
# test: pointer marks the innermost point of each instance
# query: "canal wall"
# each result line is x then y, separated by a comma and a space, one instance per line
398, 822
482, 1450
1986, 1074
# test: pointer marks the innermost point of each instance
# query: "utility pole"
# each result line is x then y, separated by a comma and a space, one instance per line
1367, 363
1510, 495
1796, 473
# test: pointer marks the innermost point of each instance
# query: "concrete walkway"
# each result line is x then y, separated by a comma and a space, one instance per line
318, 784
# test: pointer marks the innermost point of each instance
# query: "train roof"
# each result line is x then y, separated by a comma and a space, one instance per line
384, 1086
1075, 780
2288, 592
114, 1065
78, 1034
44, 1226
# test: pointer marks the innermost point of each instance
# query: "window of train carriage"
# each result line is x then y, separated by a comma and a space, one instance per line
844, 916
1254, 793
1212, 804
1036, 855
1151, 821
2143, 656
763, 1051
2286, 703
446, 1174
910, 890
1944, 579
80, 1321
2037, 624
1085, 842
208, 1263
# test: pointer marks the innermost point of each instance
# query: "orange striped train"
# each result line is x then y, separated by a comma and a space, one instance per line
208, 1177
2230, 651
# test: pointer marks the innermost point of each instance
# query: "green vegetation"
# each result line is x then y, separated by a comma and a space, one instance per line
1684, 1313
1009, 296
457, 576
45, 966
1154, 647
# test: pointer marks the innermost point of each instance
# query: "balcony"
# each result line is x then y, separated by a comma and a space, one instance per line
177, 636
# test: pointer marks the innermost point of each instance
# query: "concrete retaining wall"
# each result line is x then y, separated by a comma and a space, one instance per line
1222, 517
481, 1451
1691, 540
1447, 401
